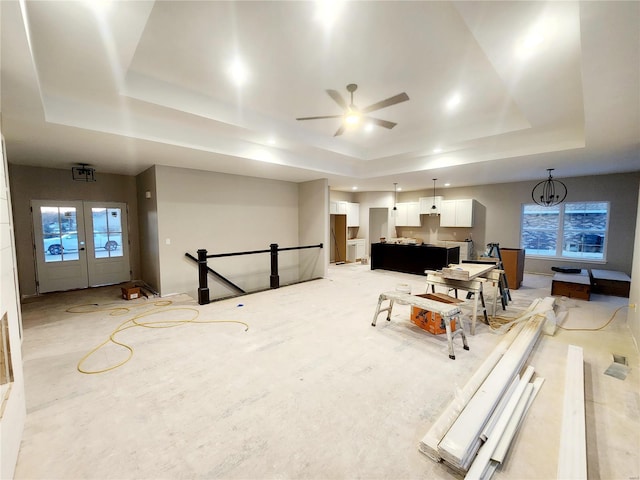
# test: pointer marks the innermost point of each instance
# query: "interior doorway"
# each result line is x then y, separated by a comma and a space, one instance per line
378, 224
338, 252
80, 244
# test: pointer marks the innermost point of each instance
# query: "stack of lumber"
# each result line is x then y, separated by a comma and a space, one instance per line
492, 404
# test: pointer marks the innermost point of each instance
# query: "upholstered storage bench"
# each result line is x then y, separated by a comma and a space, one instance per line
609, 282
572, 285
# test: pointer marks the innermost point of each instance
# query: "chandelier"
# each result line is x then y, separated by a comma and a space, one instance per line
549, 192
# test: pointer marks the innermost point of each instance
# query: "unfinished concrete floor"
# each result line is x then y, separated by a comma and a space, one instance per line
310, 391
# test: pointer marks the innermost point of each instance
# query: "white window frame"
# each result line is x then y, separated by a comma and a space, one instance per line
560, 235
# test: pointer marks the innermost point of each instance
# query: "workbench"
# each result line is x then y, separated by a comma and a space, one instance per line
447, 311
469, 277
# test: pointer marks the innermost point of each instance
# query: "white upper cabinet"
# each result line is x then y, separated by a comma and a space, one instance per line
353, 215
427, 202
457, 213
408, 214
351, 210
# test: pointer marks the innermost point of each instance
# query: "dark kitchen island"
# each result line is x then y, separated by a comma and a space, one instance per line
412, 258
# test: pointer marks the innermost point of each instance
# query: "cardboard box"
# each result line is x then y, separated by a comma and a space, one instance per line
430, 321
129, 293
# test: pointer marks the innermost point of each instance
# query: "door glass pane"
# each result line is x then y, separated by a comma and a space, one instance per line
59, 233
107, 232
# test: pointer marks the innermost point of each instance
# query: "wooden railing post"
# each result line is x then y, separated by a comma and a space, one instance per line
203, 288
275, 278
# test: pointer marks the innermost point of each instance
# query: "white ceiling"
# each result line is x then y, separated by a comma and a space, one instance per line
125, 85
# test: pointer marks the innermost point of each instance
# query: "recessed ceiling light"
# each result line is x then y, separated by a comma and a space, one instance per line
328, 11
354, 188
447, 184
533, 40
99, 7
437, 150
238, 72
399, 189
454, 101
271, 141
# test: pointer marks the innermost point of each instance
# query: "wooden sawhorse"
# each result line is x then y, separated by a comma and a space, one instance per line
447, 311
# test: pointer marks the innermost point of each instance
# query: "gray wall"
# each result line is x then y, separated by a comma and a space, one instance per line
499, 210
148, 226
33, 183
313, 228
633, 315
224, 213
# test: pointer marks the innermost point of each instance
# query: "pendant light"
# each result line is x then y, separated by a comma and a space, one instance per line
434, 209
549, 192
395, 196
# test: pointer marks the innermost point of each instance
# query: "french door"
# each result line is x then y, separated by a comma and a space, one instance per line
80, 244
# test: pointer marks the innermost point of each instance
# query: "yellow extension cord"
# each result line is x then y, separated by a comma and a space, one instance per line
599, 328
496, 322
133, 322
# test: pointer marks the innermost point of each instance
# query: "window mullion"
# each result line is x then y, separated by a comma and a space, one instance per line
560, 237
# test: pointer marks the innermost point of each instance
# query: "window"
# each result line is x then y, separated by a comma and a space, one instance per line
576, 230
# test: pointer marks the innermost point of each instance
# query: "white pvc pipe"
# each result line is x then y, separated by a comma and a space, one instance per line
481, 461
429, 443
459, 445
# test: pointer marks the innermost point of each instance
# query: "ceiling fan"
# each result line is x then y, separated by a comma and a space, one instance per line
352, 114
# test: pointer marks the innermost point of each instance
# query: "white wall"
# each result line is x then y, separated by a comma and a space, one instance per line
223, 213
12, 402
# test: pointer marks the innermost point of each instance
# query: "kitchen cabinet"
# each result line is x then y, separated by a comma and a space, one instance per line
427, 202
351, 210
338, 208
408, 214
412, 258
457, 213
466, 248
355, 249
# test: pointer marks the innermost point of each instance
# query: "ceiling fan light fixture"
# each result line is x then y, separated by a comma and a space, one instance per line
352, 118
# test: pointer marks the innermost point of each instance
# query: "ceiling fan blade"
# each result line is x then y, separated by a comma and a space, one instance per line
317, 118
401, 97
338, 99
382, 123
340, 131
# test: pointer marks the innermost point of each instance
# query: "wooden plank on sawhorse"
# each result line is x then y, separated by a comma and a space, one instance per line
447, 311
